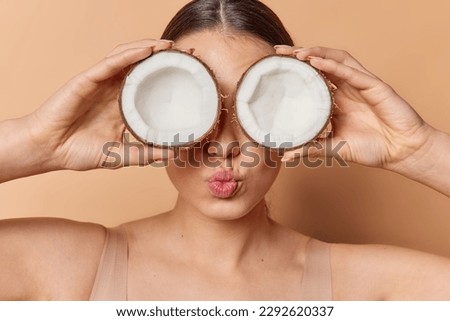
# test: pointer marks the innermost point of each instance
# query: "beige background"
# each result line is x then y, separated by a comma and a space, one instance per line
407, 43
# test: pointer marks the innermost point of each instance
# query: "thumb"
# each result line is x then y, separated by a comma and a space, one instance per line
311, 149
329, 147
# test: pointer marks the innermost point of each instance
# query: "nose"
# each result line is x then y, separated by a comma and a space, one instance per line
224, 142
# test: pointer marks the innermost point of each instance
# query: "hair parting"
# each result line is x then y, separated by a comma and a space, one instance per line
250, 17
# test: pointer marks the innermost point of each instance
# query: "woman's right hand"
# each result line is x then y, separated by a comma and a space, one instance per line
74, 124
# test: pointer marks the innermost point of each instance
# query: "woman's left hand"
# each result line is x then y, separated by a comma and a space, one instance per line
379, 128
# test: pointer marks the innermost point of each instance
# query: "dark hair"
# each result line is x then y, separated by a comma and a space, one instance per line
244, 16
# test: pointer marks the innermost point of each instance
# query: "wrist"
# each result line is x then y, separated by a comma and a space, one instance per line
412, 155
18, 155
429, 163
39, 149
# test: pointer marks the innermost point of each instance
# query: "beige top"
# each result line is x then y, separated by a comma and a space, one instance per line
111, 279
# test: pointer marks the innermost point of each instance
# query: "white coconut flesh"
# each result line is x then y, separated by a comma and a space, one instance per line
170, 99
282, 102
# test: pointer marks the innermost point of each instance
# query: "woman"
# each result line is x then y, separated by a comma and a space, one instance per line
209, 247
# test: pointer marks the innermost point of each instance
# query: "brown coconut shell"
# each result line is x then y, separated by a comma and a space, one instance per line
187, 144
326, 129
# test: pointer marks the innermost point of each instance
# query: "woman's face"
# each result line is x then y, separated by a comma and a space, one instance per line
225, 176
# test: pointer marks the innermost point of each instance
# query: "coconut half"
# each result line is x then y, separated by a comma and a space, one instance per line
282, 102
170, 99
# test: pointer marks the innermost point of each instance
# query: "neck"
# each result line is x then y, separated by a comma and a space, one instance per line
220, 244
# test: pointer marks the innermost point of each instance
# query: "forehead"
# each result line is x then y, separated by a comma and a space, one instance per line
229, 55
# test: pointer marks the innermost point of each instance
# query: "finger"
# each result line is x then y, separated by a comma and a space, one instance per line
162, 45
157, 44
330, 147
127, 55
341, 56
356, 78
87, 83
284, 50
189, 51
328, 53
314, 148
112, 65
134, 154
146, 155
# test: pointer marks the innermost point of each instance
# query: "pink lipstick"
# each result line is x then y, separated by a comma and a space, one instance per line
222, 184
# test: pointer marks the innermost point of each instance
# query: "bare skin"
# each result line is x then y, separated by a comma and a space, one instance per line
206, 248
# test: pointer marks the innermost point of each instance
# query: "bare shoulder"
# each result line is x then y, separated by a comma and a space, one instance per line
48, 259
383, 272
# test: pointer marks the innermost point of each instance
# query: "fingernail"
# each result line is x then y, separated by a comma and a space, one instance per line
296, 51
282, 46
148, 47
332, 86
309, 58
167, 41
189, 51
287, 158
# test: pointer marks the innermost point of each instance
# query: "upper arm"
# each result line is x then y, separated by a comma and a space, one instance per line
50, 259
414, 275
381, 272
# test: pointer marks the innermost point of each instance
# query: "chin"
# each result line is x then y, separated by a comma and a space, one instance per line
226, 209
